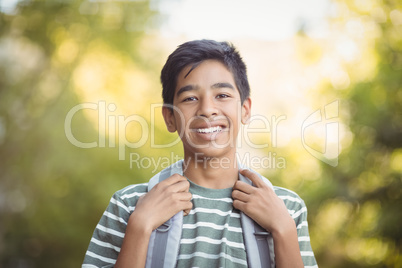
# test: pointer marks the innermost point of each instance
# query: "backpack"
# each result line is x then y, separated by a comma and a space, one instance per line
164, 243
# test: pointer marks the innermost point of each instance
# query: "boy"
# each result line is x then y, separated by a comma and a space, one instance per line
206, 97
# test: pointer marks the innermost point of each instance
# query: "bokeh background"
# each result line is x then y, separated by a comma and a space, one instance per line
106, 56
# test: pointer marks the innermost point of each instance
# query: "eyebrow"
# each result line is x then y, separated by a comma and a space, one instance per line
214, 86
186, 88
223, 85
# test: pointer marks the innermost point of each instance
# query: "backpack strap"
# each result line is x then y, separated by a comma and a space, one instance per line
258, 242
164, 242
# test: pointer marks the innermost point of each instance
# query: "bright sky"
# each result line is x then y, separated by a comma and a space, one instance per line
229, 19
257, 19
7, 6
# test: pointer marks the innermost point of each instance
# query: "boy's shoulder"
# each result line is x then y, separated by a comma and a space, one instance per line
139, 187
294, 203
131, 193
291, 198
287, 194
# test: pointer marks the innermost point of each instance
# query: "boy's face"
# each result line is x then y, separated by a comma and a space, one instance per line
207, 110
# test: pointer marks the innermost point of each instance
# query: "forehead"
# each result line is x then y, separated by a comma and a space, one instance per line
205, 73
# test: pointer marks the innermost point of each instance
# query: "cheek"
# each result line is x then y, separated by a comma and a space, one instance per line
179, 117
182, 120
234, 114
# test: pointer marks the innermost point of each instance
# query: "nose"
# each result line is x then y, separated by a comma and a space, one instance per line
207, 108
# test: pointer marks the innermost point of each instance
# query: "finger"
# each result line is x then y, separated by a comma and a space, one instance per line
178, 202
180, 186
187, 208
241, 196
255, 179
240, 205
184, 196
173, 179
244, 187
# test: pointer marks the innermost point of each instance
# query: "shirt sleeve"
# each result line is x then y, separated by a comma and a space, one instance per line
298, 210
304, 237
106, 241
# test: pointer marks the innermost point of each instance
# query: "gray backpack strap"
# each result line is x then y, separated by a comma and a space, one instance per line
258, 242
164, 243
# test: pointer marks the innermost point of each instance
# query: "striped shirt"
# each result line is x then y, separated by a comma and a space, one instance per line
211, 234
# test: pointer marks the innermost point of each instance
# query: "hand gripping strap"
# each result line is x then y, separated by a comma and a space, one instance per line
258, 242
165, 240
164, 243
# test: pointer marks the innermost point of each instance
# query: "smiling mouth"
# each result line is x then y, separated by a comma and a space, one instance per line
209, 130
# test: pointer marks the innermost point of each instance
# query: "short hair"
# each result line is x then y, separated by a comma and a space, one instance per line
197, 51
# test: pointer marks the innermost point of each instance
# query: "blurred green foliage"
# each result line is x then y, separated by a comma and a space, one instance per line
53, 193
355, 209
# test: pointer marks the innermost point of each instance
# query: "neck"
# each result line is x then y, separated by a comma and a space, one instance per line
211, 172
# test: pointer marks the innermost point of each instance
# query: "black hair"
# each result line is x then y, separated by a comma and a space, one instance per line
193, 53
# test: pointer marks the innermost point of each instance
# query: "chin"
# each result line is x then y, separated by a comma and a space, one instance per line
211, 153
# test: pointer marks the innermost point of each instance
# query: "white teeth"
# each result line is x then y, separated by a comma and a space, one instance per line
209, 130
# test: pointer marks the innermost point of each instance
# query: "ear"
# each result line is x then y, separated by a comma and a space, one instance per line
170, 121
246, 111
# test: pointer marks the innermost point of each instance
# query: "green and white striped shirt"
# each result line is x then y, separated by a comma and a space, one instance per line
211, 235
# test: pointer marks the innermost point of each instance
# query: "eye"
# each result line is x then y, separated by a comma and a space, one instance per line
222, 96
190, 99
